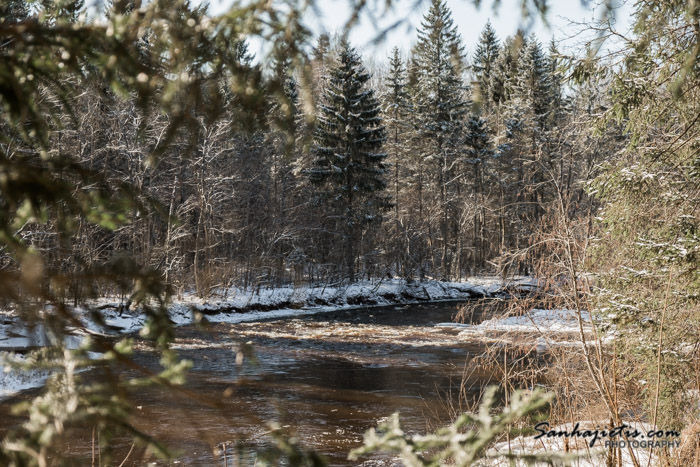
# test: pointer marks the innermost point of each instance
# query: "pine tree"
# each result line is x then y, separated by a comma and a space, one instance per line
479, 152
349, 168
532, 85
505, 69
525, 115
441, 107
395, 110
485, 56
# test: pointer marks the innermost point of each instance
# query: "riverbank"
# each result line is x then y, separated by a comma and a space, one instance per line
241, 305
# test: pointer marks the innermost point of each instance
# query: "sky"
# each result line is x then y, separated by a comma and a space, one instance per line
469, 19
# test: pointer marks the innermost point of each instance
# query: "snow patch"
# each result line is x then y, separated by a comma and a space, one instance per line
13, 381
536, 320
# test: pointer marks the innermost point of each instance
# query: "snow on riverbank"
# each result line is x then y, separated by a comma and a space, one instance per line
241, 305
252, 305
536, 320
15, 381
539, 329
386, 292
540, 320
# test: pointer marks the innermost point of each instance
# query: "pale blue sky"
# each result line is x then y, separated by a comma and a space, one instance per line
468, 18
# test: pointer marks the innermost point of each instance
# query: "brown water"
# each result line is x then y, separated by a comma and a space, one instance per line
327, 377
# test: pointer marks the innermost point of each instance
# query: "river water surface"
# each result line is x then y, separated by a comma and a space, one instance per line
327, 377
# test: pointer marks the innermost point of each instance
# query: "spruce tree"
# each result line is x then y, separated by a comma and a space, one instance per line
396, 108
395, 111
484, 64
478, 148
349, 166
506, 65
479, 152
441, 107
523, 151
532, 85
439, 56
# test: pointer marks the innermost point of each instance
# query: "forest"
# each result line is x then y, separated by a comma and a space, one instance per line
448, 163
148, 154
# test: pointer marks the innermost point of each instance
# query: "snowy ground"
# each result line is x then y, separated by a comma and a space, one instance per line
324, 298
544, 329
236, 306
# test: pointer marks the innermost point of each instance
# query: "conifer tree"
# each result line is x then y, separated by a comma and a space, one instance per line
349, 166
522, 146
485, 56
647, 256
479, 152
555, 79
478, 148
395, 110
503, 76
441, 107
532, 100
532, 85
439, 56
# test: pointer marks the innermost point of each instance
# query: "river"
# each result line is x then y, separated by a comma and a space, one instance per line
326, 377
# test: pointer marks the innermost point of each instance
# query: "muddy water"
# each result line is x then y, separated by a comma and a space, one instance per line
328, 377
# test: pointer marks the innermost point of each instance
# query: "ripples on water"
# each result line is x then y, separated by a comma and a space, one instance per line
327, 377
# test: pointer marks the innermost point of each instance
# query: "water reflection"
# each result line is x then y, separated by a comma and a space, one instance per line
330, 377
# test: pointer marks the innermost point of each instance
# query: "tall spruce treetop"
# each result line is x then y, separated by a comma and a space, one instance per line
485, 62
349, 165
554, 84
505, 69
440, 109
396, 107
439, 56
396, 96
532, 85
349, 134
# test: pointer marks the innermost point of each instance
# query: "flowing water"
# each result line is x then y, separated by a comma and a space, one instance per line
327, 377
